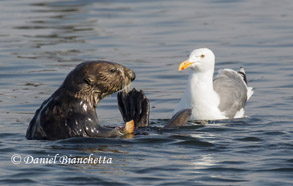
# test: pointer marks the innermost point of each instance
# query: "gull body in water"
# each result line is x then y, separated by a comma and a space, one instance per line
213, 99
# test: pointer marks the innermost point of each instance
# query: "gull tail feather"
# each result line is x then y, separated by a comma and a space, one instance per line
250, 92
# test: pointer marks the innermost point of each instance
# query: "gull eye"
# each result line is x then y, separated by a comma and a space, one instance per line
202, 56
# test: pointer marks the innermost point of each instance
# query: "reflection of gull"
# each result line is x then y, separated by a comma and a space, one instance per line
222, 98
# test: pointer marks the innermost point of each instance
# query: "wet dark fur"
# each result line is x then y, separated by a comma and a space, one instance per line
70, 111
134, 106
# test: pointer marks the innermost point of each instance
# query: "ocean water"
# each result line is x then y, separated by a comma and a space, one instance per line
41, 41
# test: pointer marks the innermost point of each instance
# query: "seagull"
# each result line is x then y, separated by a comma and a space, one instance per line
222, 98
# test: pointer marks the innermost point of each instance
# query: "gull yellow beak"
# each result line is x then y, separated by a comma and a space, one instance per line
185, 64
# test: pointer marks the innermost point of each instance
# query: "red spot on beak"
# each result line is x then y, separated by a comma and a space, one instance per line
184, 65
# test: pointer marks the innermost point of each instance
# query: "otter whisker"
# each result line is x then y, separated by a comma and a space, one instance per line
126, 88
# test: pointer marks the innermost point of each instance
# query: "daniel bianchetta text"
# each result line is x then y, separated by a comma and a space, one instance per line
60, 159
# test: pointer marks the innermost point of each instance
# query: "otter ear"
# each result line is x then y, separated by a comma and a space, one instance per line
89, 80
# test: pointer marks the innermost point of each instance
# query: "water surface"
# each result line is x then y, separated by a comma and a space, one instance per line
41, 41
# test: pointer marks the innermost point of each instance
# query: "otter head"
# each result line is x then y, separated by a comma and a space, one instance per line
92, 81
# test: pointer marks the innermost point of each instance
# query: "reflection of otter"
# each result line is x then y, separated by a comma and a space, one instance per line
70, 111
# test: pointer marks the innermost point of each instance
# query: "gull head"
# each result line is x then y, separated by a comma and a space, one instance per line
200, 60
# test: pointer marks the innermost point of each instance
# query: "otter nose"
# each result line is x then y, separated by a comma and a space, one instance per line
129, 73
132, 75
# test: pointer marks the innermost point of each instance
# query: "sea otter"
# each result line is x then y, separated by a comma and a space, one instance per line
71, 110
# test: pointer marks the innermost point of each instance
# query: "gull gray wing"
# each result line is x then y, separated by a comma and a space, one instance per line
232, 91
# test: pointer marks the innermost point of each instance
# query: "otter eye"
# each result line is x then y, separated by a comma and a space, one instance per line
113, 70
89, 81
202, 56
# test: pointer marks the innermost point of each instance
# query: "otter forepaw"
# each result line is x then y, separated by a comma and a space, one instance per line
134, 106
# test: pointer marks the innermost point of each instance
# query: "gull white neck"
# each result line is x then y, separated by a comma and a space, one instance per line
204, 100
201, 81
